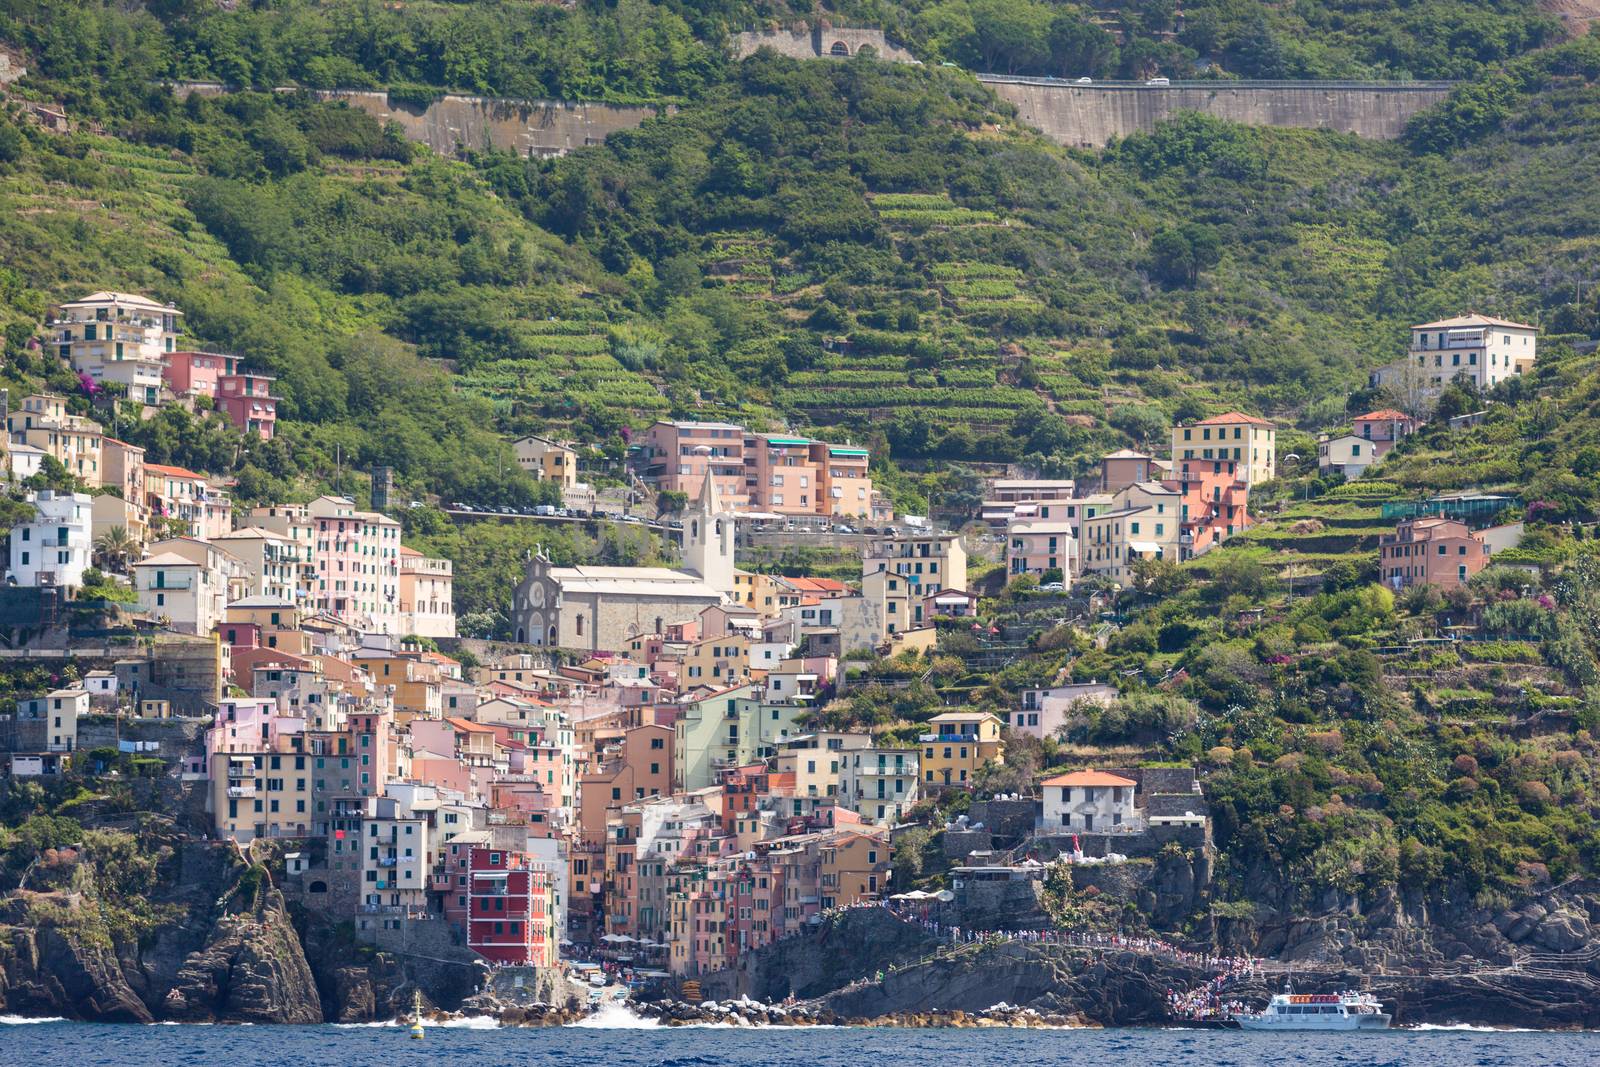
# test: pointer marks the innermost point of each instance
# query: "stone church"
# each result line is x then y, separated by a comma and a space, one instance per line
601, 609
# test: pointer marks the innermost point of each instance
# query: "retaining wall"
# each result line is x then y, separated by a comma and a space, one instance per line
526, 127
1087, 116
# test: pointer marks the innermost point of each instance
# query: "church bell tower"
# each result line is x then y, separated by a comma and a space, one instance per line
708, 539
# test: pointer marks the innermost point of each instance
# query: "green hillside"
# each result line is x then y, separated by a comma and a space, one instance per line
875, 251
882, 252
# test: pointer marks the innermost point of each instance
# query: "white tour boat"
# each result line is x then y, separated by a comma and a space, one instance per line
1318, 1011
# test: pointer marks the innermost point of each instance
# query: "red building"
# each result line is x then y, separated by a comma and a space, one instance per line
192, 374
243, 396
1214, 507
742, 788
510, 908
246, 398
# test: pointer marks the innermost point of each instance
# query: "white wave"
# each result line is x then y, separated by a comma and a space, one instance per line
614, 1016
359, 1026
26, 1020
470, 1022
1468, 1028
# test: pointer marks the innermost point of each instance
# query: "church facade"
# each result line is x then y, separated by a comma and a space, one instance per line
601, 609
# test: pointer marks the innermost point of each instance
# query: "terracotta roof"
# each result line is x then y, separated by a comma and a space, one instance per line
1228, 418
1097, 778
1472, 318
816, 585
1384, 415
173, 472
469, 727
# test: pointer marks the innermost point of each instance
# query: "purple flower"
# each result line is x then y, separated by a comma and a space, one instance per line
89, 386
1540, 508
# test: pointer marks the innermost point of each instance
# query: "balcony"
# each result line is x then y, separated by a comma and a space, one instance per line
404, 910
241, 770
386, 861
243, 790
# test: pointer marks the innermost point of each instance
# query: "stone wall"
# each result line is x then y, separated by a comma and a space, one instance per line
1012, 819
452, 122
1087, 116
819, 42
177, 737
1144, 843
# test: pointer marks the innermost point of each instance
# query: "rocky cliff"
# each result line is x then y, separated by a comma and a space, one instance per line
251, 968
216, 942
1528, 965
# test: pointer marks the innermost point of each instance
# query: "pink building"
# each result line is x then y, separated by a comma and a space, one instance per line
1384, 428
1435, 551
357, 556
246, 398
678, 455
194, 374
764, 472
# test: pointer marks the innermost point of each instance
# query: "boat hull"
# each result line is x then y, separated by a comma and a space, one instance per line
1313, 1022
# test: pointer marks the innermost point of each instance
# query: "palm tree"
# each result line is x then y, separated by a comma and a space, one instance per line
115, 546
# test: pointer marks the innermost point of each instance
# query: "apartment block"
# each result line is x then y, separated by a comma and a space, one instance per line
1432, 551
1248, 442
118, 338
53, 547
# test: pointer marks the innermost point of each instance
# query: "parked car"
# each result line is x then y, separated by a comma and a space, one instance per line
1052, 587
845, 528
1085, 81
1159, 81
544, 509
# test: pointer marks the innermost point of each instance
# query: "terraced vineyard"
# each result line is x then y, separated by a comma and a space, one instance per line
739, 262
574, 364
922, 211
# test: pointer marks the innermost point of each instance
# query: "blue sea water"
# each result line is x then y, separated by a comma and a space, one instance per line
61, 1044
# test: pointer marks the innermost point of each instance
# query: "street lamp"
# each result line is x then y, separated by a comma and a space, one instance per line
1296, 457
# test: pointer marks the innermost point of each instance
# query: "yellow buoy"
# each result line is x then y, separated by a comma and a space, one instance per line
416, 1015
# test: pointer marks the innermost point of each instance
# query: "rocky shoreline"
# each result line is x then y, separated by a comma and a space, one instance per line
753, 1013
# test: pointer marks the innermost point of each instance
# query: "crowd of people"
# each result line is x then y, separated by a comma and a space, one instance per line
1205, 1002
1226, 966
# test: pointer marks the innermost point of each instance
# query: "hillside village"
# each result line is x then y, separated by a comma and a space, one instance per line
668, 768
849, 515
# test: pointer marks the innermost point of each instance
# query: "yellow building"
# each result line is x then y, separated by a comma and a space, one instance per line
855, 867
1248, 443
960, 743
717, 661
260, 794
547, 460
418, 686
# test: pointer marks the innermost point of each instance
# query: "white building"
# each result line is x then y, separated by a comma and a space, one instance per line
427, 595
25, 461
1475, 348
188, 583
1346, 454
53, 548
1089, 801
274, 562
878, 784
1044, 711
118, 338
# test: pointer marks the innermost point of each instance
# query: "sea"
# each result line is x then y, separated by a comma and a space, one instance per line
618, 1039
